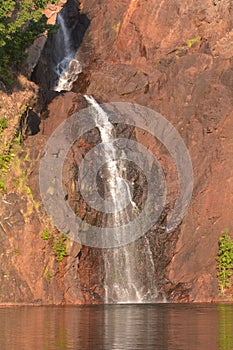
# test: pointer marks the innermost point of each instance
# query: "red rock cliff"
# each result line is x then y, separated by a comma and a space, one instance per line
176, 58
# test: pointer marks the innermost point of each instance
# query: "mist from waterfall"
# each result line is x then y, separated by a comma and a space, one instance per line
67, 67
129, 270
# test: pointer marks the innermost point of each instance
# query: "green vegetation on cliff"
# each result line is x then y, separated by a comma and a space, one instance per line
10, 146
5, 154
20, 23
59, 247
224, 262
46, 235
3, 124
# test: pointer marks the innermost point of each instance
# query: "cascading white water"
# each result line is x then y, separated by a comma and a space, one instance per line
68, 67
129, 270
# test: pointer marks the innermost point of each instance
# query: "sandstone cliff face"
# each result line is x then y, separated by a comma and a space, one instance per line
176, 58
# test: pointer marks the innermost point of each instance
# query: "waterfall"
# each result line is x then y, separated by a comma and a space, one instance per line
67, 67
129, 269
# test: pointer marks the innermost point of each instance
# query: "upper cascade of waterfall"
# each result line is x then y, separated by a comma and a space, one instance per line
129, 270
68, 66
117, 183
66, 34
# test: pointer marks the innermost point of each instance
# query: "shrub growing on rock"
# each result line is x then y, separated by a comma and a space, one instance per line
224, 262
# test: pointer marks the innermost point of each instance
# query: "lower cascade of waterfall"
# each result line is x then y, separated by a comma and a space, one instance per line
129, 274
67, 67
129, 269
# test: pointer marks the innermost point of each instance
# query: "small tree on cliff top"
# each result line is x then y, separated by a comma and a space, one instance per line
224, 262
21, 21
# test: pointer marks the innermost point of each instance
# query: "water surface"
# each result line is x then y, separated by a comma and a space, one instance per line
118, 327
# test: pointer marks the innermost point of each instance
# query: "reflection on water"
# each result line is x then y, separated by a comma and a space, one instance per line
118, 327
225, 327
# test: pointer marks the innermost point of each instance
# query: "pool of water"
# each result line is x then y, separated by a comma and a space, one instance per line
118, 327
